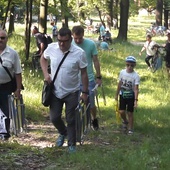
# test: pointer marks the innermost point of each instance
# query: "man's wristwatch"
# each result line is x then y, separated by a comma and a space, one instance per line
99, 77
85, 92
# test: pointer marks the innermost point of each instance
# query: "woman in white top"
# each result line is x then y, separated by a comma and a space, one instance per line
150, 52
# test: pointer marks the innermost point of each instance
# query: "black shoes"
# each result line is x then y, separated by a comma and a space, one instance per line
4, 136
95, 124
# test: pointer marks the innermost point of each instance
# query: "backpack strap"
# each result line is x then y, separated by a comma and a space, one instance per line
59, 66
6, 69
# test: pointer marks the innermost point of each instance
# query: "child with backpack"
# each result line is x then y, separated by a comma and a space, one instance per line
127, 92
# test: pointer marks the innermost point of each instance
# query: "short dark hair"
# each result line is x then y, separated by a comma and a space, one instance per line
35, 28
78, 30
64, 31
149, 36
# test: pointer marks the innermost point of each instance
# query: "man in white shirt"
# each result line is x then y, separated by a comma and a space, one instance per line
66, 85
11, 61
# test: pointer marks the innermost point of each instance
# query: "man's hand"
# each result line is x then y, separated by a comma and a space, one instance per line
47, 78
99, 81
84, 97
17, 94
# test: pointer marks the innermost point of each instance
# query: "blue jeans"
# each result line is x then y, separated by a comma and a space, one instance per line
56, 107
91, 93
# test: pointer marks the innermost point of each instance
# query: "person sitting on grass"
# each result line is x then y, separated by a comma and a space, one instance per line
104, 45
127, 92
108, 36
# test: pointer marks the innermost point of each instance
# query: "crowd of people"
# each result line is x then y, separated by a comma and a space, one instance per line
78, 75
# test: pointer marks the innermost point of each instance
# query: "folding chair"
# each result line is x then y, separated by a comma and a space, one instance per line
83, 120
17, 115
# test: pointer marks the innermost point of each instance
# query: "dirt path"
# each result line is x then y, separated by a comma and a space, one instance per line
37, 135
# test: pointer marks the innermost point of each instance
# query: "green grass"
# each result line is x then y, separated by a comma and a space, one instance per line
107, 149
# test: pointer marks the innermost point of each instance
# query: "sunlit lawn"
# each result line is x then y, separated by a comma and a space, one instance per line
109, 149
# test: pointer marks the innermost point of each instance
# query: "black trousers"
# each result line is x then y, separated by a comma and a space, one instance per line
5, 109
56, 107
147, 59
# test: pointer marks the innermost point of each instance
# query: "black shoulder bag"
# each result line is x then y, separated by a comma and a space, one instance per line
13, 80
47, 90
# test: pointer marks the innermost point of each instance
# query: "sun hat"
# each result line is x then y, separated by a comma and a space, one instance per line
130, 59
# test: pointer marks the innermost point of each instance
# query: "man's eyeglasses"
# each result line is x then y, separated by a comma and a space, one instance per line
63, 41
130, 65
2, 38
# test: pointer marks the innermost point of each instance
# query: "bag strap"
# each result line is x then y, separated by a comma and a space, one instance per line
60, 66
6, 69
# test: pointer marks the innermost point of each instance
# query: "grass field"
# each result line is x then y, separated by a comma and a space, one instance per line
107, 148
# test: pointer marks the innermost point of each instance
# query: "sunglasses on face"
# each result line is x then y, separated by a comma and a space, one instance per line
2, 38
130, 65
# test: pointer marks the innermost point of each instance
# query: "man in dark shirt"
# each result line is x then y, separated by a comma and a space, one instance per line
40, 40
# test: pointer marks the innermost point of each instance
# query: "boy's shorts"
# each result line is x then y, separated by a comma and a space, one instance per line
126, 104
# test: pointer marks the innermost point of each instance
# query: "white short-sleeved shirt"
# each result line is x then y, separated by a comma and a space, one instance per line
149, 47
128, 80
67, 80
11, 60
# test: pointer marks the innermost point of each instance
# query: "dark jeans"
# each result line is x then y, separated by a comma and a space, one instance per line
5, 109
56, 107
147, 59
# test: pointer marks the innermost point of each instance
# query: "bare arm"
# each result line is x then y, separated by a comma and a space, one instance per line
118, 90
97, 68
42, 46
85, 84
19, 82
143, 49
136, 91
44, 66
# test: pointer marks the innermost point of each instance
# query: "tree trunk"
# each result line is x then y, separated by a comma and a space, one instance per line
159, 9
28, 21
116, 13
110, 14
124, 13
64, 14
6, 14
100, 15
166, 18
43, 16
11, 21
